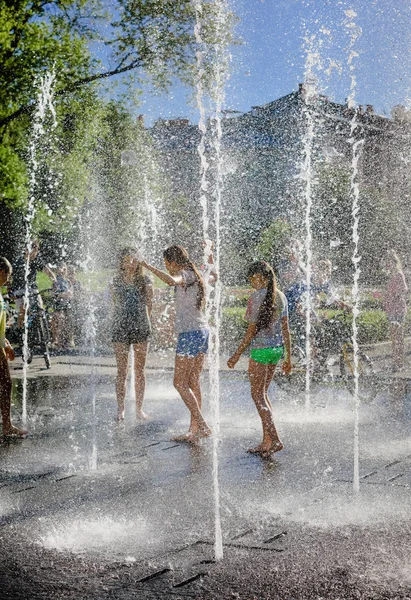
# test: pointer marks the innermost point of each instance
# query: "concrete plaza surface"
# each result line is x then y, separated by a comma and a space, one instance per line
92, 509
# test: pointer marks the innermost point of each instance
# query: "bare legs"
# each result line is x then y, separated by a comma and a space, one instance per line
260, 378
187, 382
397, 339
5, 399
140, 356
121, 352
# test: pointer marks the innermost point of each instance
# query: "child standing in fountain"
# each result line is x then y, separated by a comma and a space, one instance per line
6, 354
132, 293
191, 327
268, 334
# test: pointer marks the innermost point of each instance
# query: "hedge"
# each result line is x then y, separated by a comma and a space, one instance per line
373, 325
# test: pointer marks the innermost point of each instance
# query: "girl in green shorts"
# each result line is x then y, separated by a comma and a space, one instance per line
269, 337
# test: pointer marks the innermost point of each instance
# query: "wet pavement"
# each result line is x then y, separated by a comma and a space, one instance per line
92, 509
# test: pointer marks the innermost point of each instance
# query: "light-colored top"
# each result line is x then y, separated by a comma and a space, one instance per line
188, 316
3, 319
395, 303
271, 336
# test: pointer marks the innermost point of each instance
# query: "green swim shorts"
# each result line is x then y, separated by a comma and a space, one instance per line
267, 356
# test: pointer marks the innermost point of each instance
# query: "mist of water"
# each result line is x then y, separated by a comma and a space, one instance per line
90, 335
211, 207
44, 106
145, 235
307, 176
356, 145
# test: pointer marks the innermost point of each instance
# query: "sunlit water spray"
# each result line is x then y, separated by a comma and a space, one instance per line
44, 107
90, 338
211, 216
356, 144
147, 232
307, 175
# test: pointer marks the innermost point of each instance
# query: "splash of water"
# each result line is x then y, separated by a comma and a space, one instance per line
146, 233
44, 106
90, 337
356, 145
307, 175
202, 124
211, 216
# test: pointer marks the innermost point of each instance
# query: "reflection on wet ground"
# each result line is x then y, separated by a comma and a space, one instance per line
84, 484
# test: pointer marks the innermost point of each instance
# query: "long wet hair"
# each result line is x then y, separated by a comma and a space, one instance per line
5, 265
269, 305
179, 256
139, 280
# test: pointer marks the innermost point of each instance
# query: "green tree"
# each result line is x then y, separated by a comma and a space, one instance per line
146, 38
333, 220
275, 242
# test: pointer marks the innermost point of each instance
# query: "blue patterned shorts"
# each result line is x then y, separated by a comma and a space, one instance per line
192, 343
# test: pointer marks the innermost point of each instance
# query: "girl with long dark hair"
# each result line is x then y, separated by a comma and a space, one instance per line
191, 327
132, 294
269, 336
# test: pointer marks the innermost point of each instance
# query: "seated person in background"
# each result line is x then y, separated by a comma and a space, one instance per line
18, 285
62, 294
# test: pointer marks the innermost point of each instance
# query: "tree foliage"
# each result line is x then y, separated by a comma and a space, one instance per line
153, 39
275, 243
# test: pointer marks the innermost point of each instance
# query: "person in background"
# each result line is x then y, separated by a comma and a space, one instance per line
76, 314
323, 287
132, 294
18, 285
6, 354
395, 306
208, 270
62, 295
269, 337
295, 291
193, 334
325, 334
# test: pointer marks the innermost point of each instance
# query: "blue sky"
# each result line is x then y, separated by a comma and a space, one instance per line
270, 61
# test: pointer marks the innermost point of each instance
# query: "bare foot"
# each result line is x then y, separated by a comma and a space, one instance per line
274, 448
202, 433
192, 437
266, 448
120, 415
15, 432
258, 449
140, 414
185, 437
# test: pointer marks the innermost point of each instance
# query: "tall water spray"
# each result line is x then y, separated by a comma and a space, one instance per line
43, 107
90, 329
356, 144
307, 175
211, 206
145, 230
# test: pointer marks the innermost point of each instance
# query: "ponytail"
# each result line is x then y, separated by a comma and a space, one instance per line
269, 304
179, 256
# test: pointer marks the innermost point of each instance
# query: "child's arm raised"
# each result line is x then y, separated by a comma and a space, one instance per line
168, 279
245, 342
